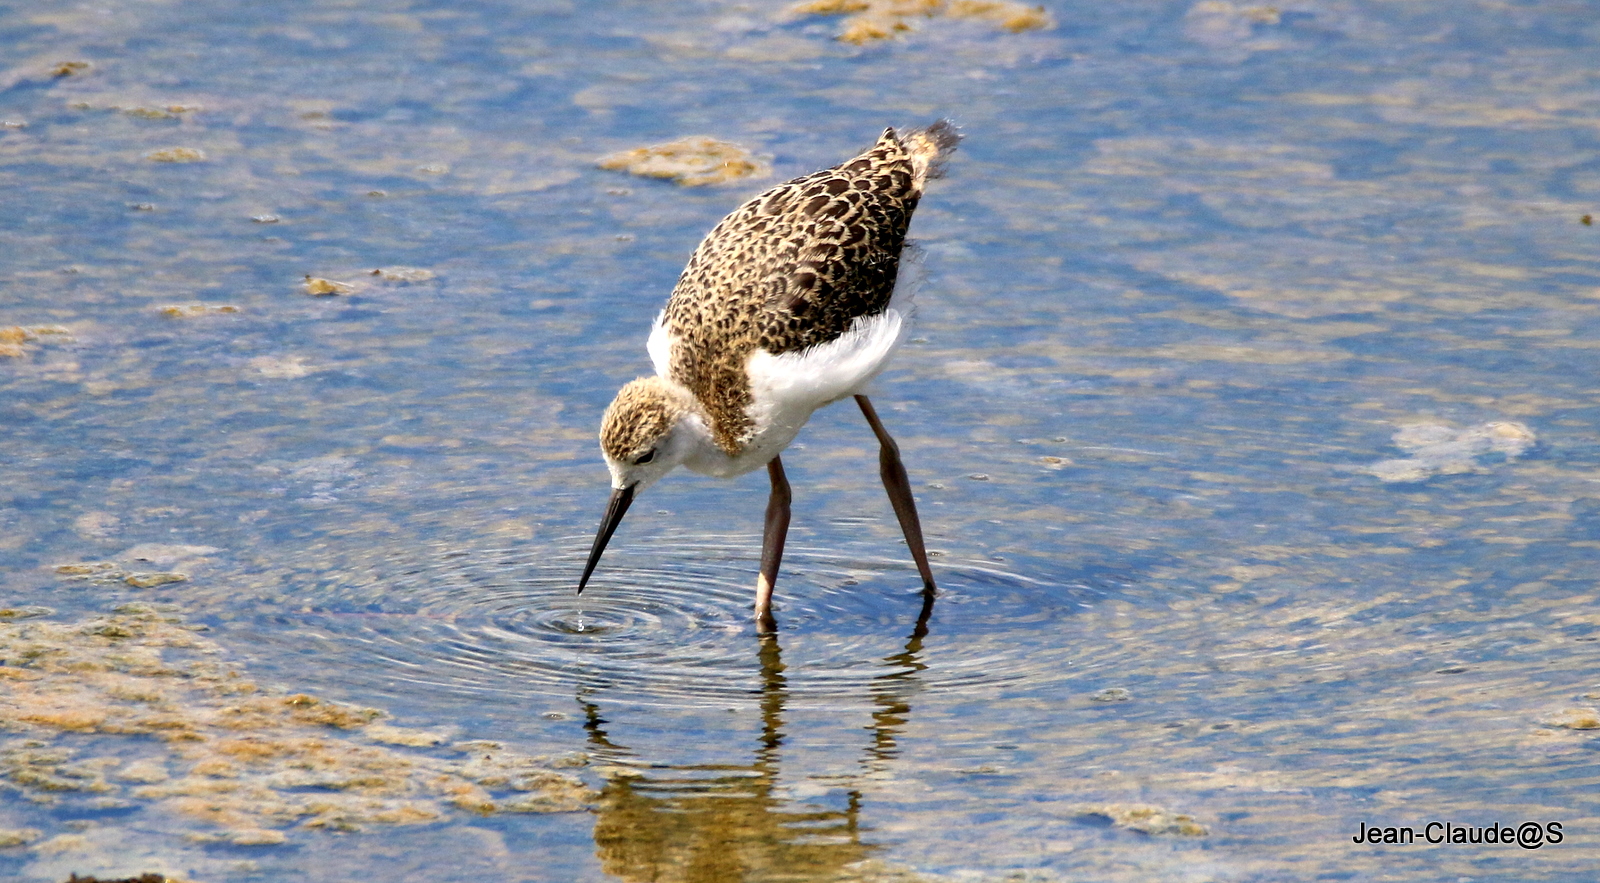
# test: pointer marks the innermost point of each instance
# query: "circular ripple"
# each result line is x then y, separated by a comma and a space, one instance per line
672, 624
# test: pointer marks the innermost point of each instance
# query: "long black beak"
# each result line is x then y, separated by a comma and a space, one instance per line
621, 498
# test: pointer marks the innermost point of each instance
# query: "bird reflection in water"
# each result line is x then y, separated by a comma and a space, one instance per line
714, 823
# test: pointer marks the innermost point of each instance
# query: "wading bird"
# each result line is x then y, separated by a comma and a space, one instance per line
789, 304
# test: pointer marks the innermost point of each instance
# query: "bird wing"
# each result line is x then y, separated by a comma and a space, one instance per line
791, 269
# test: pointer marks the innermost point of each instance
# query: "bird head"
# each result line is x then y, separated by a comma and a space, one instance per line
643, 438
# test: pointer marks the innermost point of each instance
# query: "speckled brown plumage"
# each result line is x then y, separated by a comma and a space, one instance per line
795, 267
636, 419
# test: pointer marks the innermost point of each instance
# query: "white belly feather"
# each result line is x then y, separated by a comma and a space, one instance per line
787, 388
800, 382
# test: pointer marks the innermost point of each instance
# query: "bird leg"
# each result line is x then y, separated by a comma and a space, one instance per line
899, 488
772, 546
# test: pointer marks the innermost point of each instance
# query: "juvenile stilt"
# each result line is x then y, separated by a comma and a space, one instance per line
790, 304
898, 485
772, 545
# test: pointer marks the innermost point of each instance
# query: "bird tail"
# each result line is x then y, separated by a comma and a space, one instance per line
929, 148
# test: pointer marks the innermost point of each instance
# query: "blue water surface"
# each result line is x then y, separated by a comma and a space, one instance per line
1251, 411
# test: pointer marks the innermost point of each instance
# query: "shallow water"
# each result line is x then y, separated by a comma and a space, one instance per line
1251, 412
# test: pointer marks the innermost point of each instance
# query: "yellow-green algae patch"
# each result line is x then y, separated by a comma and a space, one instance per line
869, 20
1146, 819
1220, 24
78, 842
18, 836
319, 287
194, 310
176, 155
99, 571
169, 112
693, 161
151, 579
70, 68
166, 556
12, 338
1576, 719
242, 763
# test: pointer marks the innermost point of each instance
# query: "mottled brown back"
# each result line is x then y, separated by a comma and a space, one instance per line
794, 267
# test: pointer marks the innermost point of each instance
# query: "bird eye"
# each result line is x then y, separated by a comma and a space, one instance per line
648, 456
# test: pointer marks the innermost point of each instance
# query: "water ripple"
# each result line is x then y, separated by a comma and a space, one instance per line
673, 624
